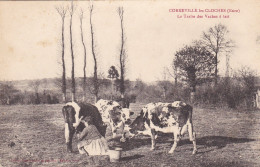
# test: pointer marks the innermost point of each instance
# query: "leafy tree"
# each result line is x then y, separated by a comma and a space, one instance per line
7, 91
112, 74
195, 64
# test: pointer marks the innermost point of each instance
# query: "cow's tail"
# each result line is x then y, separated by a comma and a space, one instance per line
190, 109
141, 113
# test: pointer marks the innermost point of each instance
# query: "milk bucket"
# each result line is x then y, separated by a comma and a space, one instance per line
115, 154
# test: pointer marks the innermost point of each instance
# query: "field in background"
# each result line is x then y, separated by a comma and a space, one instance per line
224, 138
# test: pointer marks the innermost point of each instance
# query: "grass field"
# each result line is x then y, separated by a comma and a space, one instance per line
224, 138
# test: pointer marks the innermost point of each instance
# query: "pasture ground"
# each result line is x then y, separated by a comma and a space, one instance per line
224, 138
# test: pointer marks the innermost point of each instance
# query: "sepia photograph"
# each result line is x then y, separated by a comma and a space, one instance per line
169, 83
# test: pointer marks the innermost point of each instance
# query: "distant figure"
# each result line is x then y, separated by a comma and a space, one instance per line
91, 142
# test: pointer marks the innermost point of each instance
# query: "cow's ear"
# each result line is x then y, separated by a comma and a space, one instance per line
116, 109
64, 111
131, 113
65, 114
118, 113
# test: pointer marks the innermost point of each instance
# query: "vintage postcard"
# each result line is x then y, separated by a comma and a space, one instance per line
130, 83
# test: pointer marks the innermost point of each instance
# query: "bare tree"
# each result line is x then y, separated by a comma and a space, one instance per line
215, 41
171, 72
95, 77
62, 12
85, 56
35, 85
123, 55
164, 83
73, 87
248, 78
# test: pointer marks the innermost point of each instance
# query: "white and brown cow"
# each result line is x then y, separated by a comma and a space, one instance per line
173, 118
113, 114
73, 113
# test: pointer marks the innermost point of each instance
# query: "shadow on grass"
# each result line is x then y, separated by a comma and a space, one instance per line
137, 142
220, 141
215, 142
206, 141
136, 156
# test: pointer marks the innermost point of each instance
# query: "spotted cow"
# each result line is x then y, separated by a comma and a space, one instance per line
173, 118
73, 113
113, 114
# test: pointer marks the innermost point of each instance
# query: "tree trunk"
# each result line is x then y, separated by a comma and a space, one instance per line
85, 59
62, 12
216, 69
192, 97
122, 54
164, 94
122, 85
63, 66
112, 89
95, 78
72, 62
64, 98
96, 98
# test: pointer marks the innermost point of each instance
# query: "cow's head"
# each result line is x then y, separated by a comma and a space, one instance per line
178, 104
114, 113
69, 118
69, 114
125, 115
180, 115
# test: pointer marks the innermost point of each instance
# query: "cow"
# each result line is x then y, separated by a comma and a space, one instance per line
73, 113
173, 118
123, 102
113, 114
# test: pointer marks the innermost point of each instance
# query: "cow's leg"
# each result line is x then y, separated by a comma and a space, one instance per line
69, 132
67, 138
72, 131
123, 138
184, 129
113, 129
176, 140
192, 136
153, 133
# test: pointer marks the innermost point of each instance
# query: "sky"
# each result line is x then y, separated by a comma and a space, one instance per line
30, 36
